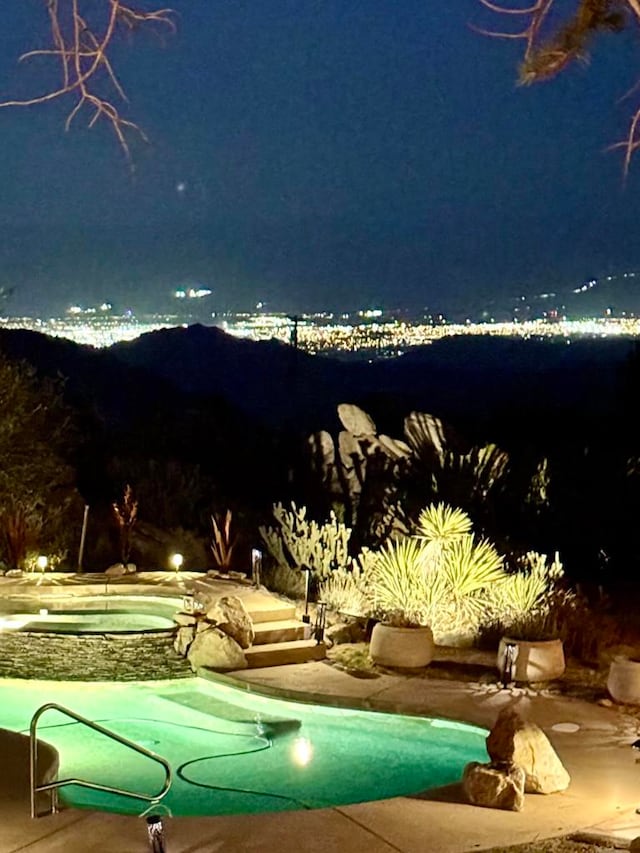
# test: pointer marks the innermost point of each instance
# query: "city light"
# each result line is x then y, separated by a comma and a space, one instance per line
370, 334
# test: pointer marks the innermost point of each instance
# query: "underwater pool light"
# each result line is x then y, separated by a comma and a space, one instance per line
302, 751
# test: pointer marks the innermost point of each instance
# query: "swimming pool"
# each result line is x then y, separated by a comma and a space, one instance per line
234, 751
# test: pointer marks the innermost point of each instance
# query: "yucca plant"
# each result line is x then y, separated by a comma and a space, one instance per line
442, 523
529, 601
469, 566
399, 584
468, 569
439, 525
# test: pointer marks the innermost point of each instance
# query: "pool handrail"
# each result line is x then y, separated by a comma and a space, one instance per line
59, 783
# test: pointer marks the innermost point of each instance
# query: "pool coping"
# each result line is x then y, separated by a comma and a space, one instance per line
381, 706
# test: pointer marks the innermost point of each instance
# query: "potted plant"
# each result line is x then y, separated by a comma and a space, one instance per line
529, 604
623, 681
437, 578
536, 654
399, 593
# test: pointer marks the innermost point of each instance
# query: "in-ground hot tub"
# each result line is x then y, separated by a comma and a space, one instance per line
89, 638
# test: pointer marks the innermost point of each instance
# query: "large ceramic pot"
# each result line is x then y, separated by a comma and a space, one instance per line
402, 647
623, 682
535, 660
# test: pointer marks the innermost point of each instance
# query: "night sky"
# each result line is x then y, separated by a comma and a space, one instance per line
317, 153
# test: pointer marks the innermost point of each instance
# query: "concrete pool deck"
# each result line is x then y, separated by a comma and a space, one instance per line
604, 792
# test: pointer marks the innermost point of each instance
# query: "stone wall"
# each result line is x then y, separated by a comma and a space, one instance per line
91, 657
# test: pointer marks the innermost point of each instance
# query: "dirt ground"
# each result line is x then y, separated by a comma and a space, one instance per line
552, 845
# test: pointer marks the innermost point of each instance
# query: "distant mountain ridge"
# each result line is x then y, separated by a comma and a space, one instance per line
473, 378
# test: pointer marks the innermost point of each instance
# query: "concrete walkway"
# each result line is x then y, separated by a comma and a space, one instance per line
604, 792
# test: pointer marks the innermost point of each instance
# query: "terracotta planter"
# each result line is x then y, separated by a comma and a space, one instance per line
536, 660
623, 682
401, 647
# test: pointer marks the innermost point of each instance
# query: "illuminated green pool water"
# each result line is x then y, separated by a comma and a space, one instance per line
236, 752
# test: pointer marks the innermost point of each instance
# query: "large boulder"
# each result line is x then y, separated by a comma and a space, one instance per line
229, 615
183, 639
513, 739
495, 785
215, 650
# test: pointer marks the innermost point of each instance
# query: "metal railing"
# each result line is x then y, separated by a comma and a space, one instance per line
59, 783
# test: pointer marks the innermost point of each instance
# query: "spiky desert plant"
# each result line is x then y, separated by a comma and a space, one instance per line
529, 601
344, 591
467, 569
470, 566
224, 539
126, 514
399, 585
439, 525
442, 523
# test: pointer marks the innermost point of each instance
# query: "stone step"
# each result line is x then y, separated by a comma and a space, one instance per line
267, 608
280, 631
278, 654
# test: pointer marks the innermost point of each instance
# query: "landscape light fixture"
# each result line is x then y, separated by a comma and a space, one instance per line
307, 583
155, 831
510, 655
636, 745
256, 566
41, 565
176, 561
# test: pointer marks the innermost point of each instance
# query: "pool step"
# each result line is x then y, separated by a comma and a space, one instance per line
279, 654
278, 631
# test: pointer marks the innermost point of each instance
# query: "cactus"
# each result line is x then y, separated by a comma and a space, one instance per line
298, 543
362, 473
379, 481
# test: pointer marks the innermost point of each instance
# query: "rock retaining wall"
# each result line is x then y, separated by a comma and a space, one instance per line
91, 657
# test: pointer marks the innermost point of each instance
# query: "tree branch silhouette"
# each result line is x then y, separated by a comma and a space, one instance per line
551, 47
82, 37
